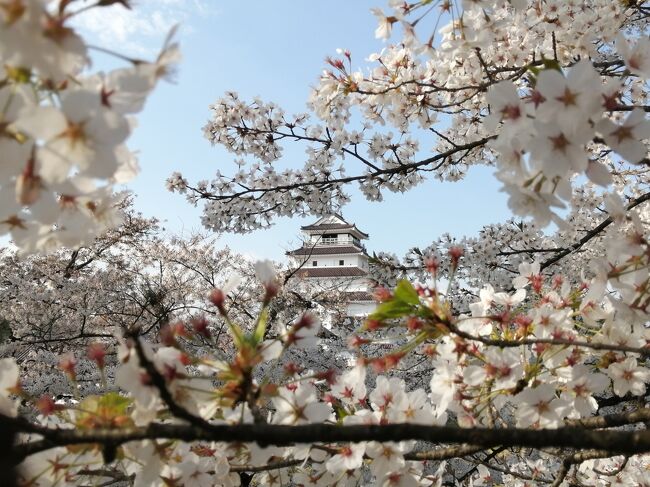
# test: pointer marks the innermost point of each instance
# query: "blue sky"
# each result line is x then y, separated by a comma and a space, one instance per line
274, 49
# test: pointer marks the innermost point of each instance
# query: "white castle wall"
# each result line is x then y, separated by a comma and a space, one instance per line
360, 309
349, 260
343, 284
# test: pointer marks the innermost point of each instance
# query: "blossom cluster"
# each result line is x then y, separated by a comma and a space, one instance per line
499, 61
543, 141
63, 129
539, 357
490, 342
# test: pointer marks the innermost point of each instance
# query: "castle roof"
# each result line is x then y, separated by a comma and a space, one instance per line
333, 222
358, 296
332, 272
331, 250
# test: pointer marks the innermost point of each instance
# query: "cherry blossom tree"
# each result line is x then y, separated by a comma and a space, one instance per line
134, 276
515, 357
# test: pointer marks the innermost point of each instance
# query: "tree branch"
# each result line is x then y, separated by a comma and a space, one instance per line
403, 169
591, 234
645, 352
613, 442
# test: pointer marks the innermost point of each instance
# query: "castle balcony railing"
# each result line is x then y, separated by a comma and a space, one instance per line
331, 241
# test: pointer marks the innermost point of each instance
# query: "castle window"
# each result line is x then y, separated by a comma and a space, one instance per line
330, 238
314, 263
341, 262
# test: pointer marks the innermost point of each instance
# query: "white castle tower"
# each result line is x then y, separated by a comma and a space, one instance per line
333, 258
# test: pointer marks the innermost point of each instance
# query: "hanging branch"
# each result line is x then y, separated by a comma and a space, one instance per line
620, 442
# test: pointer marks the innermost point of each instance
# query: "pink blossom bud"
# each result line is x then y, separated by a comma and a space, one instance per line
67, 364
432, 265
537, 281
167, 337
97, 353
200, 326
337, 63
307, 320
355, 341
379, 365
180, 330
28, 185
291, 369
414, 324
46, 405
455, 253
185, 359
218, 298
382, 294
430, 351
393, 359
272, 288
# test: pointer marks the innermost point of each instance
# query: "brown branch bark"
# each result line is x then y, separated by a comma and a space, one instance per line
613, 442
403, 169
591, 234
645, 352
444, 453
158, 381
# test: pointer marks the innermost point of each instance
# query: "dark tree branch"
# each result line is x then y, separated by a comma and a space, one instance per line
591, 234
324, 183
613, 442
158, 381
495, 342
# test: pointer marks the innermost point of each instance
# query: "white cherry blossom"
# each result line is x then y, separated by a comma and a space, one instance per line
299, 405
628, 376
636, 55
8, 382
348, 458
539, 407
627, 139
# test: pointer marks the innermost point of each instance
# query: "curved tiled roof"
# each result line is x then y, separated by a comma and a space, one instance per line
341, 249
332, 272
358, 296
334, 226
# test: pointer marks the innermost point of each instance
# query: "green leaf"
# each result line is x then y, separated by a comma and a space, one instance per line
103, 411
238, 336
260, 329
112, 404
391, 309
341, 413
406, 293
405, 301
115, 402
552, 64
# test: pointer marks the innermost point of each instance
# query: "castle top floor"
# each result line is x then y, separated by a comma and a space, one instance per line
333, 230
